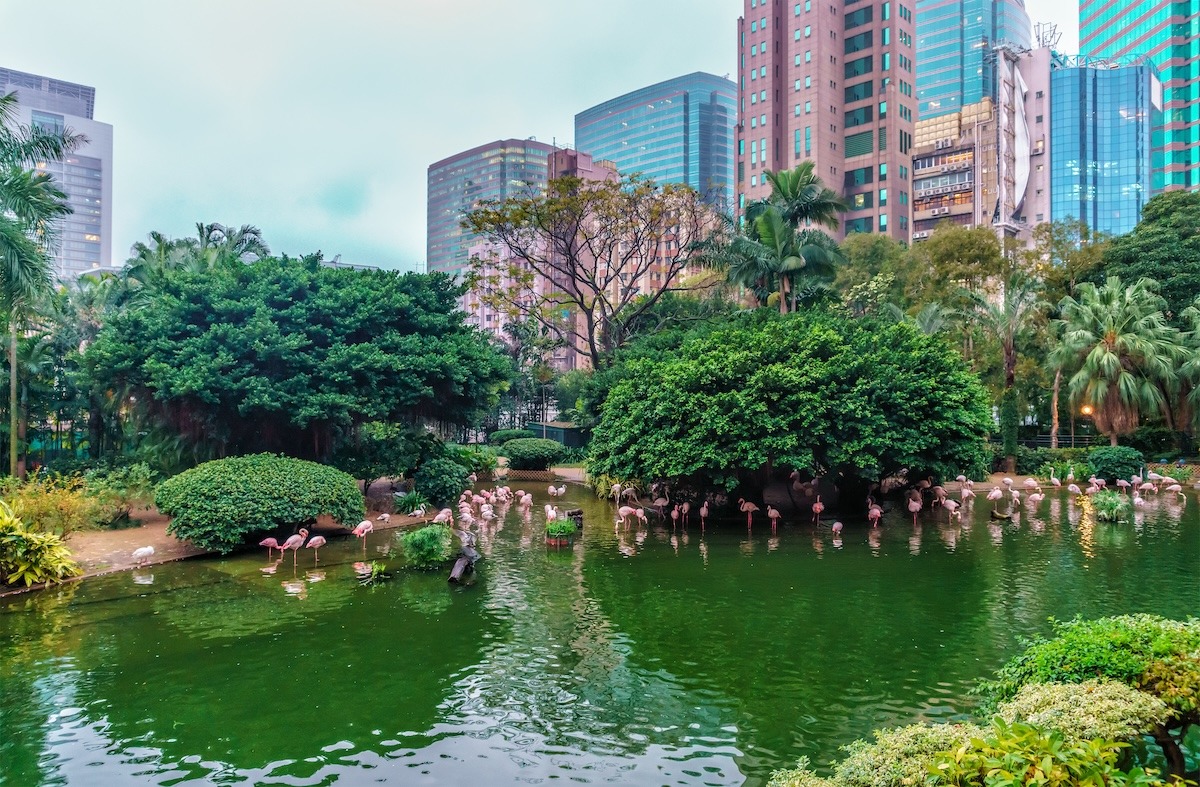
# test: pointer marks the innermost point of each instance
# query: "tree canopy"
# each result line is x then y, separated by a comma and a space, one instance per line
286, 355
810, 391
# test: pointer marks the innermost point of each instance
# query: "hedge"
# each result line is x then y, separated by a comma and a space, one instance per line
533, 453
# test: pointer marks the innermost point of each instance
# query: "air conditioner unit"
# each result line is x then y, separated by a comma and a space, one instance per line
920, 235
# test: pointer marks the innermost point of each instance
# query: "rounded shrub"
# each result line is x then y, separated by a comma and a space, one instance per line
1113, 462
440, 481
27, 558
1111, 506
428, 547
502, 436
900, 756
1085, 711
218, 505
533, 453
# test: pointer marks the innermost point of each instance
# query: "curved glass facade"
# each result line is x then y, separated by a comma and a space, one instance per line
1101, 152
956, 64
678, 131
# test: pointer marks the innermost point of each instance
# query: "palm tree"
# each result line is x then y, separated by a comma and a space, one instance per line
1120, 352
802, 197
931, 320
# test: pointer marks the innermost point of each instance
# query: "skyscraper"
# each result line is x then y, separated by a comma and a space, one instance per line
677, 131
84, 236
1168, 33
498, 170
956, 41
831, 81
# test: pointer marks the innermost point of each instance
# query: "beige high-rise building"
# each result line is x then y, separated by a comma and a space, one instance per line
832, 81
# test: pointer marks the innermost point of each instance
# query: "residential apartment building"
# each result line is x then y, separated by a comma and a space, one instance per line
677, 131
832, 81
498, 170
956, 42
952, 178
85, 175
1167, 32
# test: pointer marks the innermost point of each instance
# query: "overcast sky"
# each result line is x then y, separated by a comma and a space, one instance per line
315, 120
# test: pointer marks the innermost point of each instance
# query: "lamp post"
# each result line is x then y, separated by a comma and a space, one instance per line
1085, 411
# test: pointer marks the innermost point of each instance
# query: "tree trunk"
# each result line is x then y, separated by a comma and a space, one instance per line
1171, 751
1112, 439
12, 396
1054, 410
22, 432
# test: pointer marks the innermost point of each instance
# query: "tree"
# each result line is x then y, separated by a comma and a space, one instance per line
287, 355
1120, 352
954, 259
1065, 253
809, 391
584, 252
803, 198
870, 256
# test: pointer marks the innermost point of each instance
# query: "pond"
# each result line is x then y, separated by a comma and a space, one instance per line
647, 656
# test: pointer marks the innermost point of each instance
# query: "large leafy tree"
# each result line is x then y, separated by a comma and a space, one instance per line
288, 355
810, 391
1122, 356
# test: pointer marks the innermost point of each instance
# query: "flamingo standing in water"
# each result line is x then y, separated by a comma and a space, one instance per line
1053, 479
748, 509
817, 508
952, 507
294, 542
625, 512
836, 527
315, 543
874, 513
773, 515
364, 527
685, 511
1074, 489
271, 544
703, 512
914, 507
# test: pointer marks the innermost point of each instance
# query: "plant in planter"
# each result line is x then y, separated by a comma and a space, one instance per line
559, 532
1110, 506
427, 548
532, 453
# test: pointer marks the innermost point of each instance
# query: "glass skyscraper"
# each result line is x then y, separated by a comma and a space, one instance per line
1167, 32
498, 170
1101, 141
678, 131
956, 64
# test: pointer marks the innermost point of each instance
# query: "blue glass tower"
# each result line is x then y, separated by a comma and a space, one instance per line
956, 63
1102, 153
678, 131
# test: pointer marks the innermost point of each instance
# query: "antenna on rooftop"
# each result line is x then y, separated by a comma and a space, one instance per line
1046, 34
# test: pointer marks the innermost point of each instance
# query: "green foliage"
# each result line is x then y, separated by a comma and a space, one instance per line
427, 548
285, 355
1008, 422
1061, 460
27, 557
1111, 506
1113, 462
1181, 473
54, 504
502, 436
480, 460
441, 481
375, 574
533, 453
561, 528
410, 501
1011, 755
812, 391
379, 450
1156, 441
900, 756
218, 504
1149, 653
119, 488
800, 776
1084, 711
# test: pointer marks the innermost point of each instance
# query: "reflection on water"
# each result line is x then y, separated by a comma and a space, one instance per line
649, 654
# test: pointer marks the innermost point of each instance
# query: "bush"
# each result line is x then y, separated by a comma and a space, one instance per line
1113, 462
476, 459
428, 547
27, 557
218, 504
441, 481
502, 436
409, 502
800, 776
533, 453
54, 504
1085, 711
900, 756
1110, 506
1061, 460
1157, 442
380, 450
1020, 754
119, 488
561, 528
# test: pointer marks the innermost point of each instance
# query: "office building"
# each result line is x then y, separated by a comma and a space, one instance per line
85, 175
1167, 32
498, 170
951, 178
677, 131
956, 42
832, 82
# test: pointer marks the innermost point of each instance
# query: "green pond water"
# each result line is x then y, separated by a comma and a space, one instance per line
640, 657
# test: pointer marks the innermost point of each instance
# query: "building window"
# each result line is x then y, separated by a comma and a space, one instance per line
858, 117
885, 63
887, 11
754, 27
807, 31
762, 24
754, 98
754, 151
797, 136
798, 83
860, 42
807, 5
904, 198
883, 198
762, 121
753, 50
808, 56
860, 144
887, 36
859, 92
807, 140
797, 9
763, 47
753, 122
753, 74
883, 172
883, 222
741, 147
861, 201
797, 113
808, 81
856, 68
762, 96
754, 180
882, 110
808, 107
859, 17
762, 73
1038, 119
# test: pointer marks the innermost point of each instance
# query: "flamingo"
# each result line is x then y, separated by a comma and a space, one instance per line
1054, 480
142, 555
962, 479
995, 494
474, 479
939, 496
1137, 499
1148, 487
271, 544
817, 508
562, 490
836, 527
294, 542
748, 509
674, 515
685, 511
364, 527
1036, 498
1031, 483
1008, 482
660, 503
418, 511
1071, 473
446, 516
615, 491
641, 515
703, 512
315, 543
874, 514
952, 506
384, 518
552, 490
1016, 496
626, 512
1123, 485
773, 515
1175, 489
914, 507
966, 493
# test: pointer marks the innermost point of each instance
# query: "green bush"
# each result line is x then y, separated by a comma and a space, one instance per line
27, 557
441, 481
901, 756
480, 460
561, 528
1085, 711
120, 488
380, 450
428, 547
1019, 754
53, 504
800, 776
410, 501
502, 436
1113, 462
1111, 506
533, 453
1157, 442
218, 504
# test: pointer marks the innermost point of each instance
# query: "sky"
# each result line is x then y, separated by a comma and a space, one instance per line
315, 120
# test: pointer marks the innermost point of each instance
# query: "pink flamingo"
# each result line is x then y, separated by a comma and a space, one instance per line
817, 508
952, 507
674, 516
641, 515
773, 515
874, 514
703, 512
685, 511
995, 494
748, 509
1074, 489
966, 493
914, 507
315, 543
1175, 489
1036, 498
836, 527
364, 527
294, 542
271, 544
626, 512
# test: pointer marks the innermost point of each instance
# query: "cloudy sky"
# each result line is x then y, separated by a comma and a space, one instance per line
316, 119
